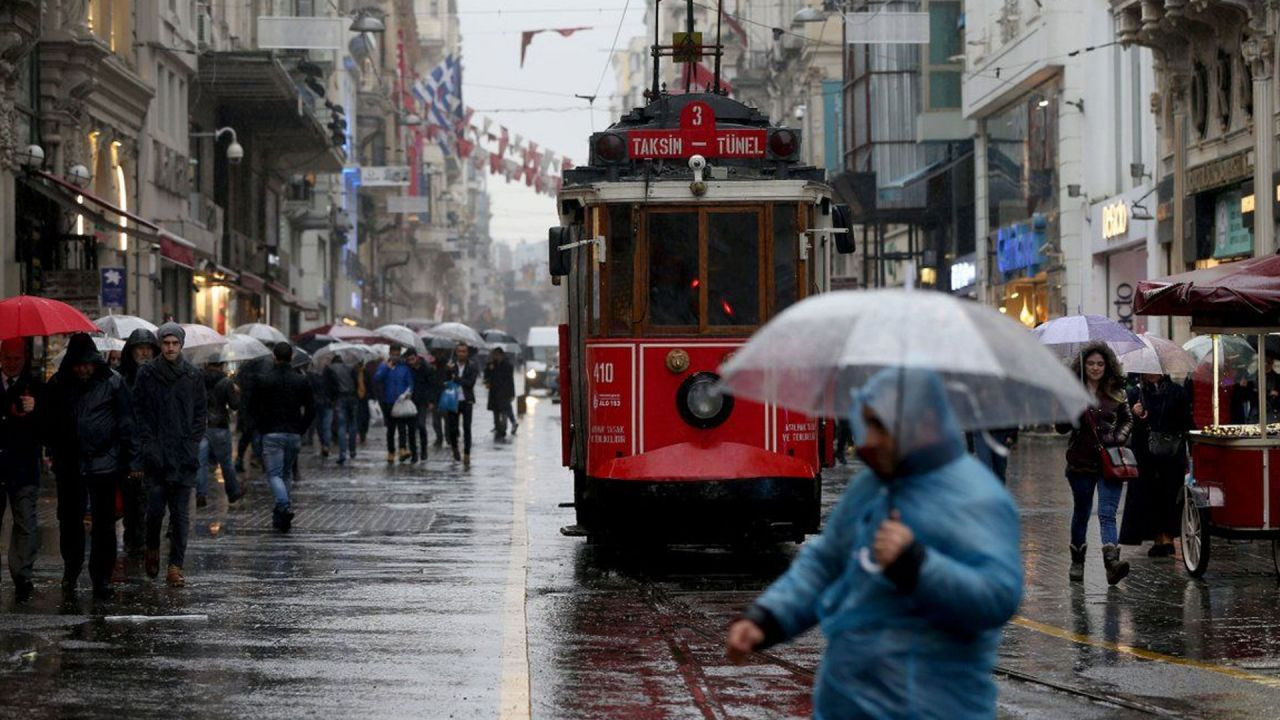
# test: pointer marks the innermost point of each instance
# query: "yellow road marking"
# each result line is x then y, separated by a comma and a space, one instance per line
514, 694
1052, 631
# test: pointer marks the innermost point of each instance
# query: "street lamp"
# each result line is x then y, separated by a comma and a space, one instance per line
32, 157
79, 175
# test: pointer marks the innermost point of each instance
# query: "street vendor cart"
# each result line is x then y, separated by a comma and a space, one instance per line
1233, 487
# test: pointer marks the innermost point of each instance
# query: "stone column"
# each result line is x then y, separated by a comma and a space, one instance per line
1259, 52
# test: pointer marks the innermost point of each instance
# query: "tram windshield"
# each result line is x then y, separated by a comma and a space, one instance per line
694, 270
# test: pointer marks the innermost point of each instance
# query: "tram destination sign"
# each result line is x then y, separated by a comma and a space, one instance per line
697, 135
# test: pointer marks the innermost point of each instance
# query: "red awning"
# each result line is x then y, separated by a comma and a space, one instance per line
177, 250
74, 190
1240, 294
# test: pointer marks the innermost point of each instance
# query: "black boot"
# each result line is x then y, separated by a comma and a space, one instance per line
1116, 568
1076, 573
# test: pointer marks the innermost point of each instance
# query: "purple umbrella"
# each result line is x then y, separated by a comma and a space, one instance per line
1067, 336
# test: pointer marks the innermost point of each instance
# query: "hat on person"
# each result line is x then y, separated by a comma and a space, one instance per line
215, 359
174, 329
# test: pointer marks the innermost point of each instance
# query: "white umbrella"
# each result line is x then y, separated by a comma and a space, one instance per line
107, 344
261, 331
456, 332
122, 326
238, 348
1158, 356
198, 336
1201, 348
351, 353
1067, 336
994, 372
403, 335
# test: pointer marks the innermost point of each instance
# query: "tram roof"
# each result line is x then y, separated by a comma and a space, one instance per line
665, 114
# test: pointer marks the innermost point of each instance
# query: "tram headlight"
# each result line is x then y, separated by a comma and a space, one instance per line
609, 147
701, 402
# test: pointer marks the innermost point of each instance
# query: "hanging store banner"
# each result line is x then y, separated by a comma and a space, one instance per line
113, 287
385, 176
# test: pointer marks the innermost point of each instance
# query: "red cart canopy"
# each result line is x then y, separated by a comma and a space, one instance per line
1243, 294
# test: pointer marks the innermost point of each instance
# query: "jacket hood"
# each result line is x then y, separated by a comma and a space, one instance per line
172, 328
141, 336
80, 349
913, 406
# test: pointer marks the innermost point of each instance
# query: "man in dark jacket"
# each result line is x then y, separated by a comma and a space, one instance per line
440, 366
340, 383
139, 350
322, 427
426, 390
223, 398
91, 436
464, 370
246, 376
172, 411
20, 417
500, 377
283, 409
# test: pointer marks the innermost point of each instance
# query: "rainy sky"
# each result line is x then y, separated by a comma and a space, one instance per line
537, 101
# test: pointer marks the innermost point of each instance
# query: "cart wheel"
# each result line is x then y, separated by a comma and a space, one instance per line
1195, 536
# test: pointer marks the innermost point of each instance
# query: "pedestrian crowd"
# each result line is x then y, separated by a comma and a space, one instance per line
134, 437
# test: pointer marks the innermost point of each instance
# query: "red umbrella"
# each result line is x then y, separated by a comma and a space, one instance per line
31, 316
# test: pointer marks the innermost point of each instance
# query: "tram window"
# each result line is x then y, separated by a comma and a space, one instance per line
784, 257
733, 268
673, 268
621, 253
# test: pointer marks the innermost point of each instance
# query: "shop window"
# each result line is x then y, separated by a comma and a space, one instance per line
621, 268
673, 268
733, 268
1022, 154
946, 41
785, 240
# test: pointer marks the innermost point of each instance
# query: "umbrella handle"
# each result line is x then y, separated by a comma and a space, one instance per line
864, 559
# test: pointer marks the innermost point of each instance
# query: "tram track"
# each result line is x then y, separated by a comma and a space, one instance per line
676, 615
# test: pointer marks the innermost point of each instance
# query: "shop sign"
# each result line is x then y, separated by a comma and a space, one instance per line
1018, 245
113, 283
963, 274
1230, 237
78, 288
385, 176
1115, 219
1224, 171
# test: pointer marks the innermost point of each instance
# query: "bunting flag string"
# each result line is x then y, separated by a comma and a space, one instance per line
480, 142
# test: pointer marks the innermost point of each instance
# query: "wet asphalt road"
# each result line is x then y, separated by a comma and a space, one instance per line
438, 591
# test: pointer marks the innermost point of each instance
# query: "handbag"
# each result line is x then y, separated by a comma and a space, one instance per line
1118, 463
450, 397
1164, 445
404, 407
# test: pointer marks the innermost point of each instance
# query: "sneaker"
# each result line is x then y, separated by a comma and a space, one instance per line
342, 460
286, 521
404, 454
466, 458
391, 458
324, 451
515, 428
152, 563
456, 455
413, 458
201, 501
175, 577
22, 592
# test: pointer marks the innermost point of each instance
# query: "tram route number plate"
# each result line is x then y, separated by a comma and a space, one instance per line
697, 135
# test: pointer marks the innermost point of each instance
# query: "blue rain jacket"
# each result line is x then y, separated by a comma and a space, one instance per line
392, 381
927, 649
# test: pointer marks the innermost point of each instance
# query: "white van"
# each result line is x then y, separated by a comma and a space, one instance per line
541, 353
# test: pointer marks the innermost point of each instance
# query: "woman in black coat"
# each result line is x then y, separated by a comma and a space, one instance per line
1162, 417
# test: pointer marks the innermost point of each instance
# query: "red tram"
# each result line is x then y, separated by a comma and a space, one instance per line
693, 223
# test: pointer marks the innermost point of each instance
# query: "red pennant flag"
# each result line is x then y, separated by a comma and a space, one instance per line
465, 147
502, 142
495, 163
526, 37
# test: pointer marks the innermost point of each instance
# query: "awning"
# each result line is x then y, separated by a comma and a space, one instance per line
63, 193
251, 282
177, 250
1243, 294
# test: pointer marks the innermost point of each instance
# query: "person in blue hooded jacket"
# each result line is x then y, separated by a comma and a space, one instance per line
393, 379
914, 574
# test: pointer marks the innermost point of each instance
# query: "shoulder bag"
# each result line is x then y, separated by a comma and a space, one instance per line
1118, 463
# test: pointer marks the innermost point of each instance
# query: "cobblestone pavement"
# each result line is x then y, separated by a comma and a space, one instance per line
437, 590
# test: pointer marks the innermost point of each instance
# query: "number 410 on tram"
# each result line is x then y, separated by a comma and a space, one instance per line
693, 224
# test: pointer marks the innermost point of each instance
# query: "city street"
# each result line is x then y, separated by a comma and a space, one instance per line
441, 591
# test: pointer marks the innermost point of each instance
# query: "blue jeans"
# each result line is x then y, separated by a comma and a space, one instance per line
346, 412
1082, 485
280, 451
323, 424
216, 448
